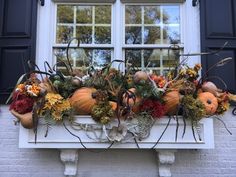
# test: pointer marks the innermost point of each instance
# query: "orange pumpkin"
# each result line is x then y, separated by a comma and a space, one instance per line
26, 119
210, 102
131, 99
82, 100
172, 100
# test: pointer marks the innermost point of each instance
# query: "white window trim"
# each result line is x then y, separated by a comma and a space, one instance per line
190, 27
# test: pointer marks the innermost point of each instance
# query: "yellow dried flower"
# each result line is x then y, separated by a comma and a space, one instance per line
53, 98
63, 106
57, 115
191, 73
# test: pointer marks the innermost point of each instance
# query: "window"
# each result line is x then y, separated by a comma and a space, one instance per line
137, 33
155, 27
92, 25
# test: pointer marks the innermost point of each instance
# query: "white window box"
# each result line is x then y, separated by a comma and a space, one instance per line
59, 138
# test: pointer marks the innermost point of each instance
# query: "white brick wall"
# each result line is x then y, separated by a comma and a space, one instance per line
219, 162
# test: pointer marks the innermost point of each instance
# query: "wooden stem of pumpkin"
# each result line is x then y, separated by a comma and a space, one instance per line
167, 125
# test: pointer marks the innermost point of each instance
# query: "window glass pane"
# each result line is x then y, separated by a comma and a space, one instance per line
101, 57
152, 15
84, 14
171, 15
152, 57
65, 14
152, 35
171, 34
157, 61
102, 35
133, 15
84, 33
90, 23
80, 57
64, 34
156, 24
133, 35
169, 59
133, 56
102, 15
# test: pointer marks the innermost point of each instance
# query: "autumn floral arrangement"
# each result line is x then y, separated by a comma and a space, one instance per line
108, 94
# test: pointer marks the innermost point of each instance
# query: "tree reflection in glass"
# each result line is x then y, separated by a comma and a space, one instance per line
65, 14
101, 57
152, 15
102, 15
64, 34
102, 35
84, 14
152, 35
84, 33
133, 14
152, 57
133, 56
133, 35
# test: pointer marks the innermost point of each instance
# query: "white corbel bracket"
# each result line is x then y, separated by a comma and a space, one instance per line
70, 159
165, 159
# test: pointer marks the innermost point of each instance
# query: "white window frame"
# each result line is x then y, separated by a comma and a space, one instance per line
46, 23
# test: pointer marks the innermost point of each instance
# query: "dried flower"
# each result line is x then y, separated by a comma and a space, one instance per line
154, 107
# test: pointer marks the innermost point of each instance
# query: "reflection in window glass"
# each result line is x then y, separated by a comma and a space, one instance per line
153, 60
152, 35
83, 57
152, 15
156, 24
171, 35
84, 33
102, 35
133, 35
84, 14
101, 57
102, 15
133, 14
64, 34
65, 14
133, 56
92, 24
171, 15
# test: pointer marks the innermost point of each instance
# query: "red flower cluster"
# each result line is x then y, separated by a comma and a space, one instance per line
21, 103
154, 107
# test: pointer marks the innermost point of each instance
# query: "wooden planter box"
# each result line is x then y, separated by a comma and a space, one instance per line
59, 138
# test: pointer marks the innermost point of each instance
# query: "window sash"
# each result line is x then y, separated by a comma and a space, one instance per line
85, 1
153, 1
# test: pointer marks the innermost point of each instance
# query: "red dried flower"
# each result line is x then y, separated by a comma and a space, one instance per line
154, 107
21, 103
